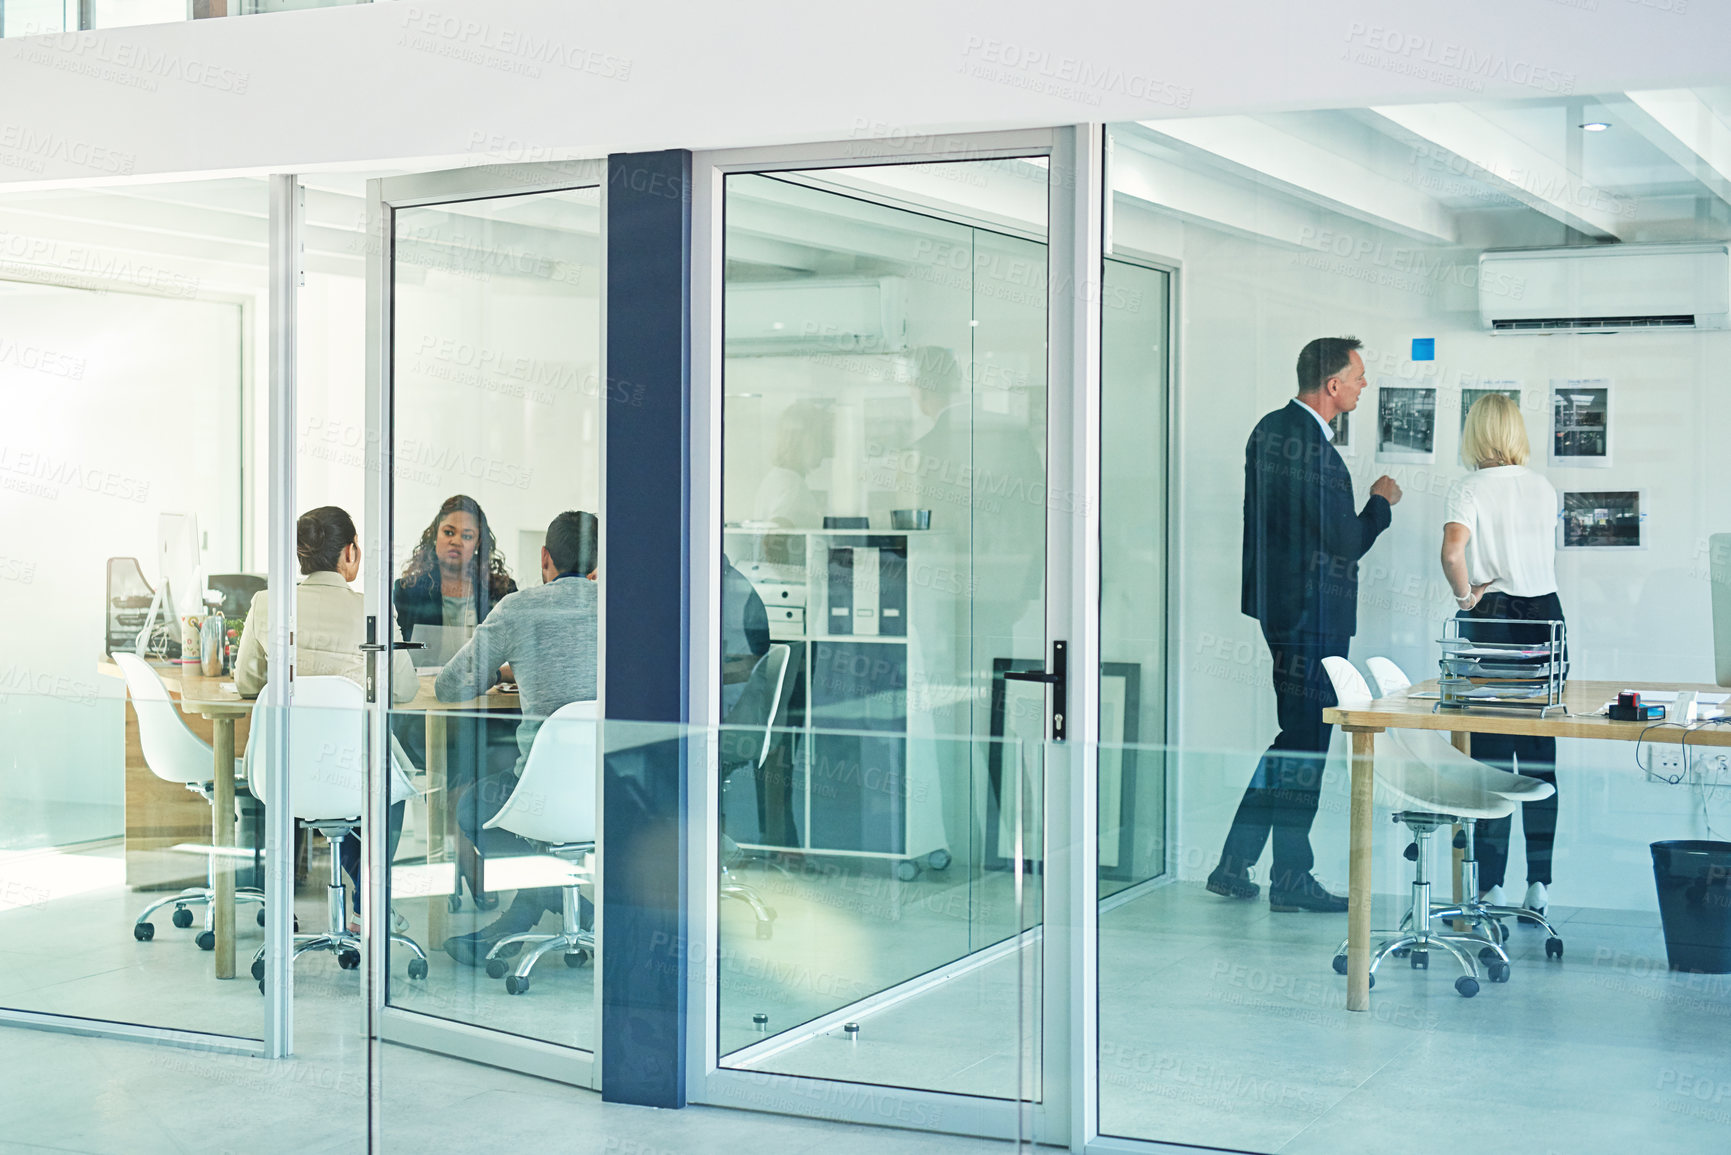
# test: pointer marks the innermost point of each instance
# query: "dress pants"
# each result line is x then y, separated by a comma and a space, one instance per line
1534, 757
1282, 797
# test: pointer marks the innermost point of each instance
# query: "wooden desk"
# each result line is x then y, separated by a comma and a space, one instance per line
1364, 720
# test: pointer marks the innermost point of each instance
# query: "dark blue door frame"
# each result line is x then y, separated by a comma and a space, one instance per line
645, 845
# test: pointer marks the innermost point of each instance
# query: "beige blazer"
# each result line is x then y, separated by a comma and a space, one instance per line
330, 625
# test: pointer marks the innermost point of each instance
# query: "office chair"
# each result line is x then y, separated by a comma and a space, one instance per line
327, 749
1429, 796
1431, 747
553, 806
744, 740
175, 754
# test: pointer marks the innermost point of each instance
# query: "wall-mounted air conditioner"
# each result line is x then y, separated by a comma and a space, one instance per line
816, 315
1606, 289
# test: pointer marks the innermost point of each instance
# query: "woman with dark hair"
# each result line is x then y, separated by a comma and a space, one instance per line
330, 625
456, 575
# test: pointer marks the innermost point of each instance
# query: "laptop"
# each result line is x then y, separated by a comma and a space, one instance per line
439, 644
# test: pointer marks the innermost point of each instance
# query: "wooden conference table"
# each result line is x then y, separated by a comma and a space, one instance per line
1403, 711
218, 700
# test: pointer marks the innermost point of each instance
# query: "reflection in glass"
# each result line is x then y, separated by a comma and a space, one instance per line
884, 508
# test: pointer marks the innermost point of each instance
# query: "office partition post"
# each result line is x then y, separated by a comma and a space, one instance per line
287, 214
645, 797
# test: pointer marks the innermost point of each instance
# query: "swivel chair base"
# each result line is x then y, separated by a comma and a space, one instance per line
338, 939
1487, 918
575, 943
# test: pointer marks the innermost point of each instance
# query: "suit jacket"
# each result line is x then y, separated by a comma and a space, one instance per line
330, 625
1302, 537
420, 602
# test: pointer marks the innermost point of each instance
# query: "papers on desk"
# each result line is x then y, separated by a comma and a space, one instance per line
1666, 697
227, 687
1504, 652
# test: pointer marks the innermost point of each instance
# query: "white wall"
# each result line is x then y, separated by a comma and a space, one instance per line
118, 407
1246, 311
431, 81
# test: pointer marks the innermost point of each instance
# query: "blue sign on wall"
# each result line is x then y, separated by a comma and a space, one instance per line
1424, 348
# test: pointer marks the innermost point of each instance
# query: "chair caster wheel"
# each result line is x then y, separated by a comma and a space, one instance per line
577, 958
487, 901
181, 917
1501, 932
417, 968
258, 969
1499, 972
496, 968
143, 931
1553, 948
261, 916
454, 903
766, 930
907, 870
1339, 964
348, 959
206, 940
1400, 952
1371, 983
1420, 960
515, 985
1467, 986
261, 986
938, 860
1489, 956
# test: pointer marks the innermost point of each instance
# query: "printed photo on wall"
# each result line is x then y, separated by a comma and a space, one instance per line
1342, 426
1581, 422
1471, 393
1600, 519
1406, 425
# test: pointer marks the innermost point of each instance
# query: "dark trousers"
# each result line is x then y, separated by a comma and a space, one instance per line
476, 806
349, 851
1281, 801
1534, 757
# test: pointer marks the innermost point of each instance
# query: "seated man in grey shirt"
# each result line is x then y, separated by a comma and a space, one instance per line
545, 636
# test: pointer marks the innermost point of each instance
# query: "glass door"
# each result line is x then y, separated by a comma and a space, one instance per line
890, 535
486, 305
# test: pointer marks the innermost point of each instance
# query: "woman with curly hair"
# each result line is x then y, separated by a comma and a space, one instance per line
455, 577
456, 574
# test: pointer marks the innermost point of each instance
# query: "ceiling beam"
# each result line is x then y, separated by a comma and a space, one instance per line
1462, 141
1272, 157
1684, 128
1214, 200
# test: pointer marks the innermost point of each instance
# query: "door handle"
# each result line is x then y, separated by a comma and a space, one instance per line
372, 648
1057, 678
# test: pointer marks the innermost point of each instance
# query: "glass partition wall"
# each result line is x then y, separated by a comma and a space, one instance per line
492, 403
1516, 384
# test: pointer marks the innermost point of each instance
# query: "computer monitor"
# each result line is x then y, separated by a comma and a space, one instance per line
179, 564
1719, 562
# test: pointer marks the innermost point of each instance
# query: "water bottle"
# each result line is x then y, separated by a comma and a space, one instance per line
212, 636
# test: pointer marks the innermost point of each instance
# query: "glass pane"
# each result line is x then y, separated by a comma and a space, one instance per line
884, 532
122, 464
1526, 429
497, 422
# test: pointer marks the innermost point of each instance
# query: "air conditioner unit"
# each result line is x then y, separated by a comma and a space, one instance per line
1606, 289
816, 315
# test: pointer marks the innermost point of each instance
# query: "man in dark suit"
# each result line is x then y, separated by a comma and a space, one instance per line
1302, 542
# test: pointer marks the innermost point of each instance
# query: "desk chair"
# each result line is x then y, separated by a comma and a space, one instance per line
745, 739
327, 775
1430, 746
175, 754
553, 806
1430, 796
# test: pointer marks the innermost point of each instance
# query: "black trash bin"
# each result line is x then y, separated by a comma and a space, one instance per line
1694, 881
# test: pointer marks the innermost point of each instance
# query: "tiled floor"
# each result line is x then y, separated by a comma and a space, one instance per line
1221, 1025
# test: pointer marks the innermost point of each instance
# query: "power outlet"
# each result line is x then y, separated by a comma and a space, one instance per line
1667, 760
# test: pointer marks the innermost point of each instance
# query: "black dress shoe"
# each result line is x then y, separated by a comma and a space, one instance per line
520, 918
1232, 885
1309, 898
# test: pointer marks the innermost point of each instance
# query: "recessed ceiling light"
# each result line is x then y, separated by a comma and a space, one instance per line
1595, 126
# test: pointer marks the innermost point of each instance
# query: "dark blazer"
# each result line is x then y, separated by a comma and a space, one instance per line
1302, 539
420, 602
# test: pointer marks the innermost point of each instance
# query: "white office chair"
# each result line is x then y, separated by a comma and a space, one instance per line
1428, 797
1432, 747
175, 754
327, 776
746, 737
553, 806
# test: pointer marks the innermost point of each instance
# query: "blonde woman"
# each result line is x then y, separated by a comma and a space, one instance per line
1499, 555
